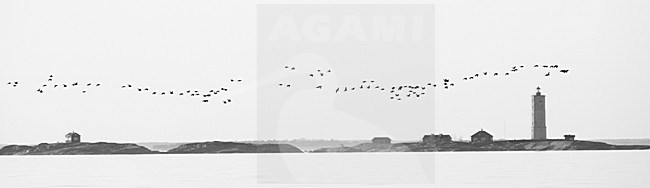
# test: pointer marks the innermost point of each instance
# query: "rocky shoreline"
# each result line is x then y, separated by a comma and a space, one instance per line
215, 147
104, 148
234, 147
515, 145
83, 148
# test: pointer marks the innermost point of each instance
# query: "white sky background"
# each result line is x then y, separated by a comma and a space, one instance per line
183, 45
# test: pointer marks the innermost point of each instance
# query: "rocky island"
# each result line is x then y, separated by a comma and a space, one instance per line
234, 147
481, 141
511, 145
80, 148
74, 146
104, 148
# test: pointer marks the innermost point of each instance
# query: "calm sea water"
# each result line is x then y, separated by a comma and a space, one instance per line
452, 169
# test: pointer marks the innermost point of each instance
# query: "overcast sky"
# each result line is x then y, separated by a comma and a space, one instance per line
201, 45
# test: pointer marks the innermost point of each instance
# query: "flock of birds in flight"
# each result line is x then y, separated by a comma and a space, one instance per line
205, 96
398, 92
402, 92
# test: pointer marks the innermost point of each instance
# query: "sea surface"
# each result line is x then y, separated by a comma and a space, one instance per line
443, 169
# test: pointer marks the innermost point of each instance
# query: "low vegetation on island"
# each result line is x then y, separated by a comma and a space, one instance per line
81, 148
513, 145
104, 148
234, 147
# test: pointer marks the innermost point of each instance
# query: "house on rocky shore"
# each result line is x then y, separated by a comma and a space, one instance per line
569, 137
73, 137
381, 140
433, 138
481, 137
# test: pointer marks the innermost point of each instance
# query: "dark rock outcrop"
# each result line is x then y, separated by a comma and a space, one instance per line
74, 149
234, 147
515, 145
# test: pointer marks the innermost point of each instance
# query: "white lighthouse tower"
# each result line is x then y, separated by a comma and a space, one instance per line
539, 116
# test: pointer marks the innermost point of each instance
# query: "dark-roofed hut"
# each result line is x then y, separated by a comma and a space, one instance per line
481, 137
433, 138
569, 137
381, 140
73, 137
